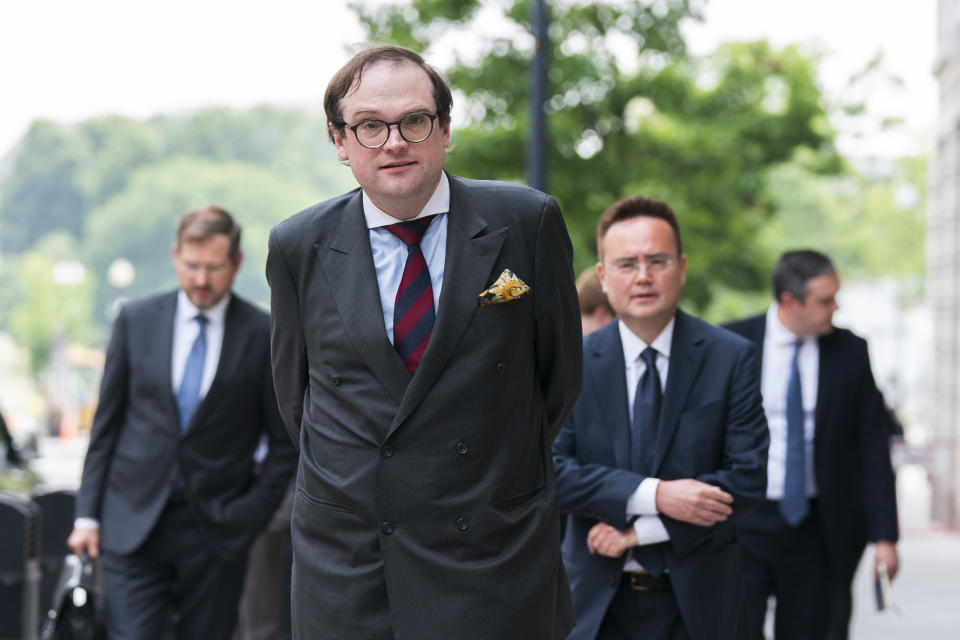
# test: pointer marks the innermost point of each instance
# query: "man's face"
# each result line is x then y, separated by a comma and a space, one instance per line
813, 316
399, 176
204, 269
644, 297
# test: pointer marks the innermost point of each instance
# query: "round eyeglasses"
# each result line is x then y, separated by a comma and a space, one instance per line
373, 134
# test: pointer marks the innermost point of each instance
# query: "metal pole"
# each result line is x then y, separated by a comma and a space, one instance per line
537, 143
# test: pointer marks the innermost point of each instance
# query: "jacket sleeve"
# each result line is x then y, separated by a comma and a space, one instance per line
879, 495
107, 421
590, 490
743, 468
559, 344
288, 350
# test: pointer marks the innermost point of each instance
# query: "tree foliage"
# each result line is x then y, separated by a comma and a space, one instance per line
111, 187
629, 112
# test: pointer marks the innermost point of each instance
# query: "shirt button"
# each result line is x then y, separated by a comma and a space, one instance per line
334, 379
386, 527
386, 451
462, 523
501, 367
462, 447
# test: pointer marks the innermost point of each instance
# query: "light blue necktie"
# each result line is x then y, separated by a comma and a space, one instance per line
188, 395
794, 506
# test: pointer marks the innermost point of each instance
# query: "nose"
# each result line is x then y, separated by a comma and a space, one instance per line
394, 139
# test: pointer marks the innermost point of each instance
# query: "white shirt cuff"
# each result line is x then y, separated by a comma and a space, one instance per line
650, 530
643, 501
86, 523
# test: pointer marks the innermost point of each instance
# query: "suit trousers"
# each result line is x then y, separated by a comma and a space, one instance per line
174, 578
789, 563
642, 615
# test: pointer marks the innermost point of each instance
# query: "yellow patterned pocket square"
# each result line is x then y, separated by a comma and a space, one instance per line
508, 287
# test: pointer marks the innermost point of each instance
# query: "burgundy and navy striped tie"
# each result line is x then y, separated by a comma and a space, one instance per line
413, 313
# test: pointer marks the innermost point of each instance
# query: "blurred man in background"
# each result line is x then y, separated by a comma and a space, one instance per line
169, 498
595, 309
830, 483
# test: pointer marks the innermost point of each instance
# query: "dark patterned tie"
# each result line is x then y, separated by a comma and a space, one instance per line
188, 395
643, 445
413, 313
794, 505
646, 414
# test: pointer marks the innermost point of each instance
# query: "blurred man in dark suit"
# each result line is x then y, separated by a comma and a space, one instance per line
830, 483
169, 497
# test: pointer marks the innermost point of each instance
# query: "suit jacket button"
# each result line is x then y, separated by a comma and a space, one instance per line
386, 527
334, 379
462, 523
501, 367
462, 447
386, 451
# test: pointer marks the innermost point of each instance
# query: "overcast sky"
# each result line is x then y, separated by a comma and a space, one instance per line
67, 60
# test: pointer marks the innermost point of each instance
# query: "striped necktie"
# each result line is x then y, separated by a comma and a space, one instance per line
413, 313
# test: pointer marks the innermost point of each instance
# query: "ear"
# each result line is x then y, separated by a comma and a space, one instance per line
338, 142
445, 132
602, 273
239, 261
683, 269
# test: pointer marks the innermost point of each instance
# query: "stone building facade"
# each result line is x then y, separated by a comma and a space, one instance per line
943, 273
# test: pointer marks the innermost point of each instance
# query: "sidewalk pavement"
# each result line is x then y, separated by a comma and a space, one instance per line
926, 591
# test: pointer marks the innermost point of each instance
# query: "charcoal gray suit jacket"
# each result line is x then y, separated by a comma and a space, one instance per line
426, 504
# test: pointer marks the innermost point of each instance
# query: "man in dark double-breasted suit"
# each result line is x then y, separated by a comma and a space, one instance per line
804, 542
169, 497
426, 349
664, 448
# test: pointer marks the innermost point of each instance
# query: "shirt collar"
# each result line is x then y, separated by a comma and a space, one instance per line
186, 312
634, 346
438, 203
777, 332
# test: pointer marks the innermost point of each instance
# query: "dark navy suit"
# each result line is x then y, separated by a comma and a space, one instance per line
711, 428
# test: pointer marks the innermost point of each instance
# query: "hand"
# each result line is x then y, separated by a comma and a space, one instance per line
88, 540
610, 541
885, 552
692, 501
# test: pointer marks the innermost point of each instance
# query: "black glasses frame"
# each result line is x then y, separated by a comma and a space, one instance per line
395, 123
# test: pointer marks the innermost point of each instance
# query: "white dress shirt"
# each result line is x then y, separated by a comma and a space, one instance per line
778, 346
642, 503
185, 330
390, 252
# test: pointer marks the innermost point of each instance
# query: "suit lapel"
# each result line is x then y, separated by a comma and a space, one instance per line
347, 261
686, 355
605, 372
471, 252
166, 316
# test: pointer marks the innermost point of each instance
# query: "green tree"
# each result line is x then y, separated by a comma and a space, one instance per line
630, 112
137, 224
54, 299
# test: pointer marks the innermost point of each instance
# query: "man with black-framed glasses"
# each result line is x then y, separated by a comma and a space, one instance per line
426, 350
